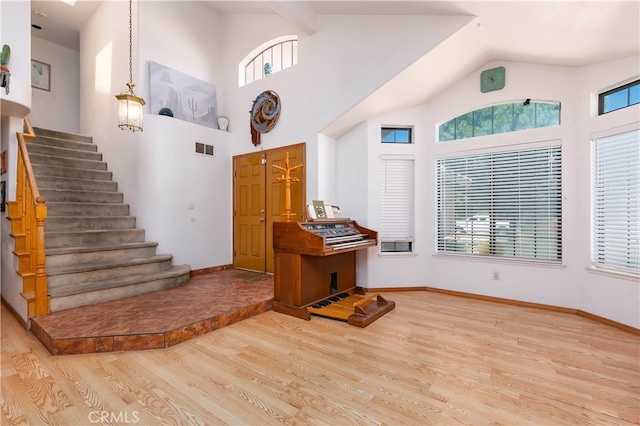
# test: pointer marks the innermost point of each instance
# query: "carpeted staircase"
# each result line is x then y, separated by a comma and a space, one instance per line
94, 252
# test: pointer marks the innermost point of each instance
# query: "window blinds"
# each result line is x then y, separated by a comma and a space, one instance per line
505, 204
615, 202
397, 199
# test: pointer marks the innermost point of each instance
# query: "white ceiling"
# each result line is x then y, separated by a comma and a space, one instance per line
570, 33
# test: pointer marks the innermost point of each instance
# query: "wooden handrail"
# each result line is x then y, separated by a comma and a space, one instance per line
29, 134
28, 214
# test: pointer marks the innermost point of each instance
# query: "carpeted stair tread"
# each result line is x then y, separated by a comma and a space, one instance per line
87, 267
95, 237
86, 249
88, 254
63, 152
73, 195
57, 134
63, 143
174, 272
72, 163
70, 172
68, 208
66, 183
82, 223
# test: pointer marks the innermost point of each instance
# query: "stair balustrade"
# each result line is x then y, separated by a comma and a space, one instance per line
27, 215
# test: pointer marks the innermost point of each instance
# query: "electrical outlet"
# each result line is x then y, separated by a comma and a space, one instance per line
496, 275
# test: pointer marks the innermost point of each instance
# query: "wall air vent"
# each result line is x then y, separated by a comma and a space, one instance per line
204, 149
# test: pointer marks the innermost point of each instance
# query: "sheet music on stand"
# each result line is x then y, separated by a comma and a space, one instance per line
319, 211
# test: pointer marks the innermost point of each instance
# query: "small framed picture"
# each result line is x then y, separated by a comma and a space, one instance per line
40, 75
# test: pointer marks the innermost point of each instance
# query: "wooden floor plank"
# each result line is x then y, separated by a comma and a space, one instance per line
435, 359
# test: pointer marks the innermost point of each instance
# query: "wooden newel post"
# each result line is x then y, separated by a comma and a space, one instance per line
287, 179
42, 298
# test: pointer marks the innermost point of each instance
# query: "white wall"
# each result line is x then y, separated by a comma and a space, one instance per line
192, 38
571, 285
187, 37
14, 106
606, 295
104, 70
338, 67
157, 170
188, 195
58, 109
352, 188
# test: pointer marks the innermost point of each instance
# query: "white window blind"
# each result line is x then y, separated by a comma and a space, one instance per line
504, 204
615, 202
397, 200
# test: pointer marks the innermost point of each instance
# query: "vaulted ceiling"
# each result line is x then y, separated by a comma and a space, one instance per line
569, 33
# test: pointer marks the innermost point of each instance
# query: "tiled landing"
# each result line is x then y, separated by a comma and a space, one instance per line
157, 320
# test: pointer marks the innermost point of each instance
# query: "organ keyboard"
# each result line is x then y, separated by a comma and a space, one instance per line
321, 238
315, 262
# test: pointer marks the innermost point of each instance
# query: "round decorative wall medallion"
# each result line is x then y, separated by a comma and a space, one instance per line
264, 114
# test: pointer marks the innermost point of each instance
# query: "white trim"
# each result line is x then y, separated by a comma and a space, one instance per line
499, 260
615, 130
613, 274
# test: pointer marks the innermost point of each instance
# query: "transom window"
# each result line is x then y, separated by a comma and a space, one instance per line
501, 119
618, 98
279, 54
501, 204
396, 135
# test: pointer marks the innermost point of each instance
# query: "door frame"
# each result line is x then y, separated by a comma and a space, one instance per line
267, 188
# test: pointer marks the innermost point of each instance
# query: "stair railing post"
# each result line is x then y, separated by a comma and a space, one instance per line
28, 213
42, 298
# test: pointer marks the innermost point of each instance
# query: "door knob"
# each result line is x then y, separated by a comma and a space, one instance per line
261, 219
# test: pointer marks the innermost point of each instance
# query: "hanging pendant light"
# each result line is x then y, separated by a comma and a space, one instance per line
129, 105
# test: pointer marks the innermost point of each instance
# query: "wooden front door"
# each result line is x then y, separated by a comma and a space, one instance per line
249, 213
259, 200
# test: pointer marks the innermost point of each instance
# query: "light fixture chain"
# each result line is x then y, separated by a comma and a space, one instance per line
130, 42
130, 106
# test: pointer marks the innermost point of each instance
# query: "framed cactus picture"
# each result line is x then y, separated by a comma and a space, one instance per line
40, 75
181, 96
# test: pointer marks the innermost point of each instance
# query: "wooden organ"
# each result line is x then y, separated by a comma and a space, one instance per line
315, 271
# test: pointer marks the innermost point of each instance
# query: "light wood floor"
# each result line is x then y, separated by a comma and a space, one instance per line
435, 359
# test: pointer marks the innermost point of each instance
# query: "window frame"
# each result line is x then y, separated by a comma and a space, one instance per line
515, 123
397, 212
259, 52
609, 245
602, 97
513, 220
394, 129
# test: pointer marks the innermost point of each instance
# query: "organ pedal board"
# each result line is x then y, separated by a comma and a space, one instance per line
355, 309
315, 271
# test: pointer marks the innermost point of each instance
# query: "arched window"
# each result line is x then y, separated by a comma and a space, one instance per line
501, 119
269, 58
